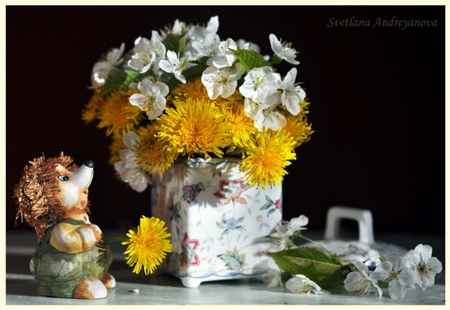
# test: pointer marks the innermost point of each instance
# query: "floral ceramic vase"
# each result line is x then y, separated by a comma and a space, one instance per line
219, 224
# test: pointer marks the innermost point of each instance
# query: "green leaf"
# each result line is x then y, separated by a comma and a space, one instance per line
197, 70
118, 80
232, 260
250, 59
269, 203
174, 42
321, 268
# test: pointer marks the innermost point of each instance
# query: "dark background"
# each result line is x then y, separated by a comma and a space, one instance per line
377, 96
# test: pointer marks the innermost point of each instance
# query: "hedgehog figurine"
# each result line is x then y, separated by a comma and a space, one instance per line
71, 259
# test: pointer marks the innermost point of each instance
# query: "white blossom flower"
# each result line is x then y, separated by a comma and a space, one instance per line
158, 48
292, 94
130, 139
203, 41
143, 56
221, 82
260, 89
225, 57
360, 281
244, 45
280, 239
208, 46
397, 274
198, 32
283, 50
272, 278
424, 266
127, 168
102, 68
301, 284
177, 27
273, 275
152, 98
261, 85
175, 65
264, 116
134, 176
278, 242
147, 53
295, 224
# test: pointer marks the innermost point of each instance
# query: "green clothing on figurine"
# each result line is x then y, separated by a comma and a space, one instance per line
58, 273
71, 259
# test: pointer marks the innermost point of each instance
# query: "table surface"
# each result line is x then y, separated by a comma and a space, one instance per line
160, 289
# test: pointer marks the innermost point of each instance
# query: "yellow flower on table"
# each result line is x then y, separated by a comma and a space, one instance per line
148, 245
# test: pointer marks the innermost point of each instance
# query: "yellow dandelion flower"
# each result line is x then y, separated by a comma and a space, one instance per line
148, 245
193, 89
194, 126
118, 116
265, 163
229, 101
153, 153
304, 106
114, 147
298, 127
242, 127
90, 111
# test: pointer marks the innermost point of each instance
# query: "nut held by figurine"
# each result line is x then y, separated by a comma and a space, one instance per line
71, 259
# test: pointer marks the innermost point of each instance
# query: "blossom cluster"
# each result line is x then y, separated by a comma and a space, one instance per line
396, 273
185, 93
417, 267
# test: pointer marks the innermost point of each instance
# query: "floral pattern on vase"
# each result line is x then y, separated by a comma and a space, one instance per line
219, 225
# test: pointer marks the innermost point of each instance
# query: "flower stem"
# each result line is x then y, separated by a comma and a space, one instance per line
116, 239
316, 243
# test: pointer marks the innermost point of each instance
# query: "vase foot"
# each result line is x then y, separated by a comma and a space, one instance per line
190, 282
